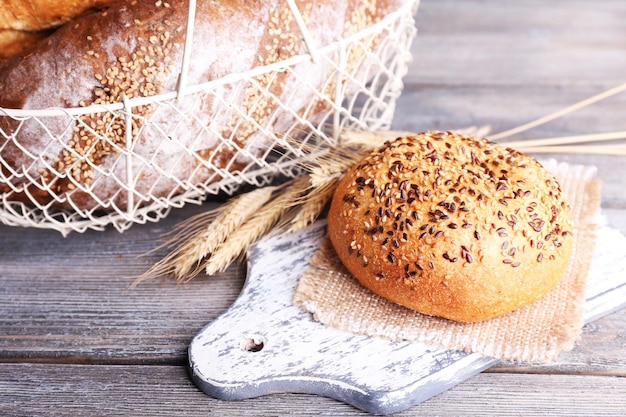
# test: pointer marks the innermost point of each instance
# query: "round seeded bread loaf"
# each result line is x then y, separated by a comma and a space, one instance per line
452, 226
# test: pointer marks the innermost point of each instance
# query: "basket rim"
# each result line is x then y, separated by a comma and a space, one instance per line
310, 56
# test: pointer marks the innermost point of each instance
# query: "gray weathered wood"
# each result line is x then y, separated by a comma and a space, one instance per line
70, 299
525, 43
27, 390
66, 301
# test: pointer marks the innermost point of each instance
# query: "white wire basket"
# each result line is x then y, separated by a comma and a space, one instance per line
362, 78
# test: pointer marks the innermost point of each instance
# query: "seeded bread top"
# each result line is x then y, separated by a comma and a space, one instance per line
452, 225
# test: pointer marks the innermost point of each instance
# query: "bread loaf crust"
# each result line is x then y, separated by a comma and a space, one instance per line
135, 48
35, 15
452, 226
17, 42
24, 23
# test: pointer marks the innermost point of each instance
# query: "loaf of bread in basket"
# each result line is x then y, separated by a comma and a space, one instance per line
23, 23
153, 146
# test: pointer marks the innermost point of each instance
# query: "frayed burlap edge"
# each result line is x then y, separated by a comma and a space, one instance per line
534, 333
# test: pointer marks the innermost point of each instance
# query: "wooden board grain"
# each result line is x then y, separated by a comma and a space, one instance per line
118, 353
69, 299
65, 390
519, 43
265, 344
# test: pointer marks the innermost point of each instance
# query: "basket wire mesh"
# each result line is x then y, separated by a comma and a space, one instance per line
363, 79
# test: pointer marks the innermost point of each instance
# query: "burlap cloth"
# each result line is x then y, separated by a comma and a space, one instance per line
535, 333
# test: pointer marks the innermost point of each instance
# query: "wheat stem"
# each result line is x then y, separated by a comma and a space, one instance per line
196, 238
313, 204
568, 140
597, 150
258, 225
559, 113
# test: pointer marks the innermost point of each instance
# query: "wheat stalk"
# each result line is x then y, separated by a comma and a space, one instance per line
569, 140
312, 204
568, 144
585, 150
198, 237
256, 227
559, 113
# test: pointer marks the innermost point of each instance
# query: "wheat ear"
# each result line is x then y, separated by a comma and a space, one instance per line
331, 163
234, 213
256, 227
312, 204
202, 234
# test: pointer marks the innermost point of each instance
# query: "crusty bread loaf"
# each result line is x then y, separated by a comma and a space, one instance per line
35, 15
452, 226
17, 42
23, 23
134, 49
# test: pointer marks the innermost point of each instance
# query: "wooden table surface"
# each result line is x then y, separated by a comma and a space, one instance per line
76, 341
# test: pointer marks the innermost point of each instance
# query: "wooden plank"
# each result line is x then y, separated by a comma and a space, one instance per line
120, 390
504, 107
531, 395
69, 299
528, 43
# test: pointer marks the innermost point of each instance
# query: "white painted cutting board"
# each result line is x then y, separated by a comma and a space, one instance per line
264, 344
